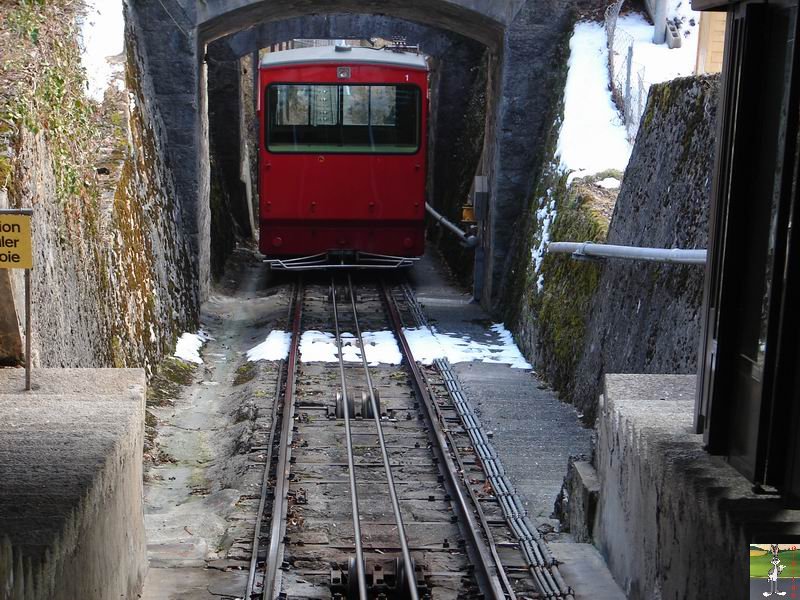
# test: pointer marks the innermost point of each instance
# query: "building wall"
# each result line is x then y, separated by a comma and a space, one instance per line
711, 44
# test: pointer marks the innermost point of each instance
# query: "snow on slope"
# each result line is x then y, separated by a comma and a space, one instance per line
592, 136
102, 37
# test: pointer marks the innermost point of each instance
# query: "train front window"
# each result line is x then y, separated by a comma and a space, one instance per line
377, 119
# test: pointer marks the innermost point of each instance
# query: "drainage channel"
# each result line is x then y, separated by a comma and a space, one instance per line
364, 493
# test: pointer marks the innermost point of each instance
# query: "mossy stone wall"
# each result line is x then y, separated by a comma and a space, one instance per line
112, 279
577, 320
546, 297
645, 318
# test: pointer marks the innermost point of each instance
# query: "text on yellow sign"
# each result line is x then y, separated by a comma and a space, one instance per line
15, 242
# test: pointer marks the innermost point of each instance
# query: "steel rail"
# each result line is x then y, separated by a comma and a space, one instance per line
376, 413
493, 588
360, 574
264, 485
280, 503
541, 563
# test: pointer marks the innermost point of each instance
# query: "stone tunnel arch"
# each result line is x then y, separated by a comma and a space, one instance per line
524, 38
458, 74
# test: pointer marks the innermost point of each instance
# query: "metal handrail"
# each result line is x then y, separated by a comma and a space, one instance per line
664, 255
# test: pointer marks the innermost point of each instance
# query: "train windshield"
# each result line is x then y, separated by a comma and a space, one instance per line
373, 119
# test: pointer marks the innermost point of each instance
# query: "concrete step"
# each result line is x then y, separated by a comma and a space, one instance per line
585, 571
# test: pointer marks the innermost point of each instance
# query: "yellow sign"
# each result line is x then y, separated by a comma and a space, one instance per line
15, 242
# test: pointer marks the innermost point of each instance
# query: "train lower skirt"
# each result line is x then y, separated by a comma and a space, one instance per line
337, 243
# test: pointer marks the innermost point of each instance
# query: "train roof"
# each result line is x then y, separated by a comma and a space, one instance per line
354, 55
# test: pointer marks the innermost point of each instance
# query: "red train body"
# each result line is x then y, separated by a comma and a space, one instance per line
342, 158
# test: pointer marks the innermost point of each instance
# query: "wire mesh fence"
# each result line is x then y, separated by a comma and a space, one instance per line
629, 86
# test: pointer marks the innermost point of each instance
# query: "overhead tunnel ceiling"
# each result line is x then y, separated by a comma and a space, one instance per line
481, 20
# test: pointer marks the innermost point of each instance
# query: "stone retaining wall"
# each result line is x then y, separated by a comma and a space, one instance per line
591, 318
112, 280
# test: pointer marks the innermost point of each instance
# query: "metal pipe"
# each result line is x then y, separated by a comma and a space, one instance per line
665, 255
360, 566
28, 330
470, 240
659, 21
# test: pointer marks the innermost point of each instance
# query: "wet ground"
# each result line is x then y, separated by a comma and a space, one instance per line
198, 497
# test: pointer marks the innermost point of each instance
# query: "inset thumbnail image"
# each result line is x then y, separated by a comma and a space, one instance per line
774, 571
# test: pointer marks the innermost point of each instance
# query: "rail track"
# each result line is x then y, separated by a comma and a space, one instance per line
377, 483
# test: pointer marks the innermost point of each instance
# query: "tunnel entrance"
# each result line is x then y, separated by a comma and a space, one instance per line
455, 128
495, 69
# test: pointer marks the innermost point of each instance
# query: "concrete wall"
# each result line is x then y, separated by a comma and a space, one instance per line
673, 521
71, 516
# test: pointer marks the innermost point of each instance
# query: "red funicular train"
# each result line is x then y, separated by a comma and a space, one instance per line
342, 159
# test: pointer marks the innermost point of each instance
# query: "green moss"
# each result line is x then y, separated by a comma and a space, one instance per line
171, 376
48, 99
558, 313
565, 301
6, 172
245, 373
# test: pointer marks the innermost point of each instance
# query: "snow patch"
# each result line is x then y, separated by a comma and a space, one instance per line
380, 346
275, 347
592, 136
427, 344
545, 216
102, 37
609, 183
189, 346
